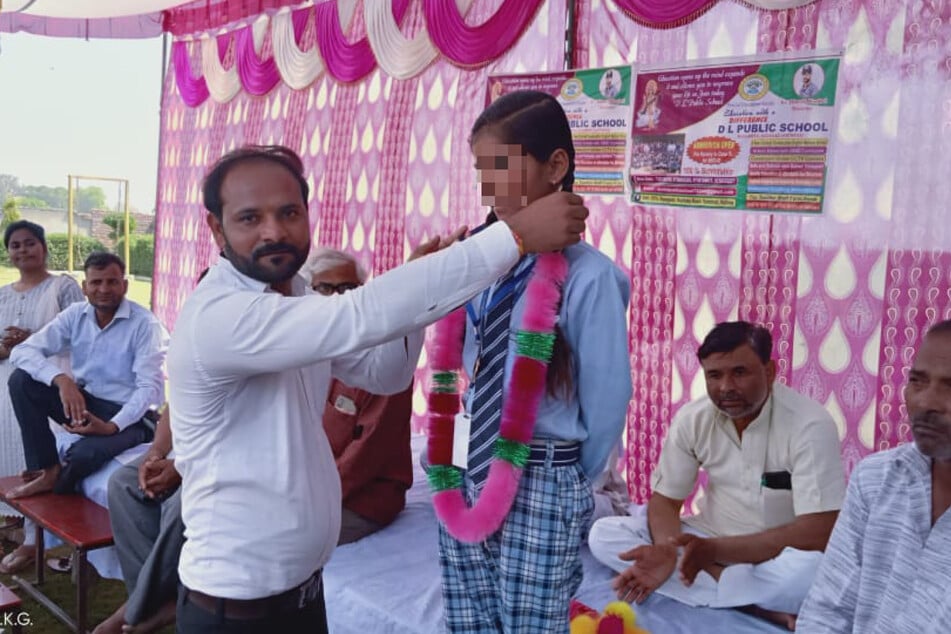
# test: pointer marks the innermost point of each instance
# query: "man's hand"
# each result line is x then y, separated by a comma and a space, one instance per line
653, 565
13, 336
94, 426
550, 223
699, 554
437, 243
158, 476
74, 405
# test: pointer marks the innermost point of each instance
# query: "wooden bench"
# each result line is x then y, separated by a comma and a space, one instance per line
76, 520
10, 605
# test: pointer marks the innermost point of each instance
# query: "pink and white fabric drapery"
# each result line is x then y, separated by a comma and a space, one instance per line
347, 58
846, 295
670, 13
148, 18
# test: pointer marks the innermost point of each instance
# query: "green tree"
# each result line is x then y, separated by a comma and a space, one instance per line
141, 254
9, 184
10, 213
54, 197
59, 252
89, 198
117, 223
29, 203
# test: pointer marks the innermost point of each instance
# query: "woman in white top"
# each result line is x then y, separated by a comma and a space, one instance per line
26, 305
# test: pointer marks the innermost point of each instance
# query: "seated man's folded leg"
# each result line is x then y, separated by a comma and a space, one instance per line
611, 536
34, 403
135, 521
89, 454
157, 583
354, 527
778, 585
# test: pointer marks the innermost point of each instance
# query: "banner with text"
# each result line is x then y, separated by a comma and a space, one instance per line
745, 134
598, 104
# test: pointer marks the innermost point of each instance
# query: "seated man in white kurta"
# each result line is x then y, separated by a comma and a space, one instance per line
775, 485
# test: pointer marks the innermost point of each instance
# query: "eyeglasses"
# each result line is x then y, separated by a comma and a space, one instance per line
326, 288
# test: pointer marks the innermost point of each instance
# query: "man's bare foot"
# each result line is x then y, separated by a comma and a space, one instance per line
29, 476
164, 616
41, 484
18, 560
780, 618
113, 624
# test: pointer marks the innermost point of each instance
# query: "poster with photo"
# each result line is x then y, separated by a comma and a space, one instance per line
597, 102
745, 134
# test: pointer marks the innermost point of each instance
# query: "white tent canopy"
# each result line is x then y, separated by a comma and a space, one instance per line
90, 9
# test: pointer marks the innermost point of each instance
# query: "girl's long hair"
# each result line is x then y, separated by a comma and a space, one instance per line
536, 122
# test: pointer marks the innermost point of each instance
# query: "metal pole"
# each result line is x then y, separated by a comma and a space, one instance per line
571, 33
69, 225
164, 59
128, 263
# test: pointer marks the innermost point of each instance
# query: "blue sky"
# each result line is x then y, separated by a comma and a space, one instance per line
72, 106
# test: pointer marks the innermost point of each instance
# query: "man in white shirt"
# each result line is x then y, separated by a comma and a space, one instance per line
116, 351
775, 484
888, 565
250, 363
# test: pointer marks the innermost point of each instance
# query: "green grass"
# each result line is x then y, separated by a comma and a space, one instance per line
105, 595
140, 291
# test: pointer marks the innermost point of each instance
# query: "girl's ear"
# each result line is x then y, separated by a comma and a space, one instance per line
557, 167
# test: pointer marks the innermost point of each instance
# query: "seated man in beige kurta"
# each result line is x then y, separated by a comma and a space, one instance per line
775, 485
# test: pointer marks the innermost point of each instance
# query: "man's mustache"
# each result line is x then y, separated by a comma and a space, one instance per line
932, 421
272, 249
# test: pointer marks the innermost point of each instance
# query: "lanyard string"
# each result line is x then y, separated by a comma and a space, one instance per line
492, 296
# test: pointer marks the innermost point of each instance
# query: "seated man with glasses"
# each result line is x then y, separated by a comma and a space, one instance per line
369, 434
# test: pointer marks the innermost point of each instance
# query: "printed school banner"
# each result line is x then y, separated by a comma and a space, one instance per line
598, 104
745, 134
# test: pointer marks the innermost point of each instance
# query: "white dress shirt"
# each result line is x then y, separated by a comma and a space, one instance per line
792, 434
249, 371
121, 363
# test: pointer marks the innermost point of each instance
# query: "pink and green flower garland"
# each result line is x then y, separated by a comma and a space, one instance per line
535, 341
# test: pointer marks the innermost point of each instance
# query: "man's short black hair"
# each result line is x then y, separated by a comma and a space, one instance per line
727, 336
100, 259
283, 156
807, 69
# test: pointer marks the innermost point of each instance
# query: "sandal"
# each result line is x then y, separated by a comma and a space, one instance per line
11, 521
60, 564
16, 562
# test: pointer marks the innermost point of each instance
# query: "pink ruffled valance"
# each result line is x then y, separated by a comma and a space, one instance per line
257, 76
350, 58
346, 62
204, 15
472, 46
446, 32
671, 13
194, 90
